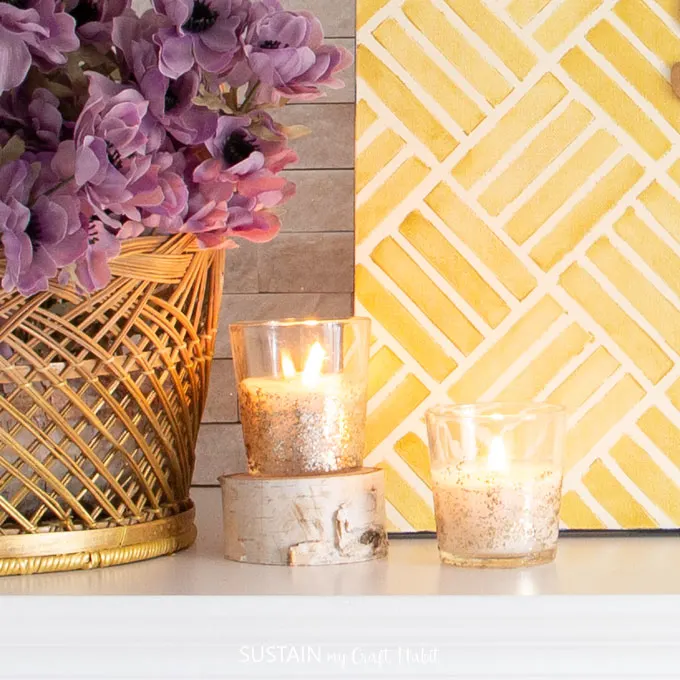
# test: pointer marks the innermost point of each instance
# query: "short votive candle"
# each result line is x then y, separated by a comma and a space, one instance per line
302, 394
497, 482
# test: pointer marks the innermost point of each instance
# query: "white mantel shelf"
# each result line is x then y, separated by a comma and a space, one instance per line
621, 619
585, 566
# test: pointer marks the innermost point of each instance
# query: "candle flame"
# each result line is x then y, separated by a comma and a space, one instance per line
498, 459
287, 365
312, 371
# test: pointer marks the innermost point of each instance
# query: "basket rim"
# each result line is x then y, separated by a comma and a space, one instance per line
88, 540
162, 259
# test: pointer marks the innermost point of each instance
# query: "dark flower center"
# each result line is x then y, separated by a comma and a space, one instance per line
270, 44
19, 4
238, 147
171, 100
114, 156
203, 17
33, 230
92, 235
85, 12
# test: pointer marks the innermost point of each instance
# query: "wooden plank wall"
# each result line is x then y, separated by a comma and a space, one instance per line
308, 270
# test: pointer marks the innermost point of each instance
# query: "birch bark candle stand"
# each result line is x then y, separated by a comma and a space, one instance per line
306, 500
304, 521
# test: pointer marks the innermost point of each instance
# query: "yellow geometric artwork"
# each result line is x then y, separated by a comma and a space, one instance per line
518, 237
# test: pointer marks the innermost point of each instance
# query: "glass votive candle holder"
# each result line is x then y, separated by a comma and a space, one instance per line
497, 482
302, 394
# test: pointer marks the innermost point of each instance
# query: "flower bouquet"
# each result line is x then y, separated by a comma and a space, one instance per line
133, 151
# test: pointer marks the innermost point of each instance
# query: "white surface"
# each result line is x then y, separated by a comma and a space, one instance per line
597, 566
622, 620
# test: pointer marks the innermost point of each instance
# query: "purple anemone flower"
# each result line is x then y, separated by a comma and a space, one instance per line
45, 117
250, 222
33, 31
216, 223
286, 55
169, 213
156, 144
234, 148
245, 145
205, 217
171, 101
35, 117
167, 205
40, 232
128, 29
111, 150
94, 18
247, 152
203, 32
91, 269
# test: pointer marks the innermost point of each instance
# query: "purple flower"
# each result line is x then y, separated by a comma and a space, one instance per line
41, 232
267, 189
91, 270
128, 29
216, 222
166, 208
249, 221
286, 55
234, 148
245, 145
246, 153
205, 215
94, 18
171, 101
32, 30
135, 154
203, 32
173, 205
117, 114
35, 117
111, 150
260, 8
45, 117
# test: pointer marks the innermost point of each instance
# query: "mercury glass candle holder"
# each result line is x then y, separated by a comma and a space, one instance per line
497, 482
302, 394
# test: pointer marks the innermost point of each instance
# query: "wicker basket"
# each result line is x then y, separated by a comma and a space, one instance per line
101, 399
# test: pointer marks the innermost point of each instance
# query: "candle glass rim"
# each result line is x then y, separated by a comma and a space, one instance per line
495, 411
292, 322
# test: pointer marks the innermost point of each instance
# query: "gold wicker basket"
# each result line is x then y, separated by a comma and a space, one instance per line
101, 399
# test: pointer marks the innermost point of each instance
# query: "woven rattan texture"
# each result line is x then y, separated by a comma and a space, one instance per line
101, 396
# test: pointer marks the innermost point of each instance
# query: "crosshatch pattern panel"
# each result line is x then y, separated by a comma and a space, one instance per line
518, 236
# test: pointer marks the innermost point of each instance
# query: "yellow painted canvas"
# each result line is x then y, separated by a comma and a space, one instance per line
518, 236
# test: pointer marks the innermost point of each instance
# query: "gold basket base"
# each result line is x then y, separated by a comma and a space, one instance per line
95, 548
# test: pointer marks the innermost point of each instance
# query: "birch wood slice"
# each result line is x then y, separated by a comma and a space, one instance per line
298, 521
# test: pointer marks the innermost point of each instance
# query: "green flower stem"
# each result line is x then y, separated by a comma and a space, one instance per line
249, 95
